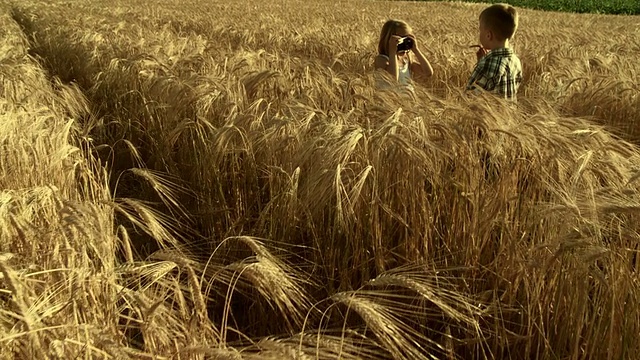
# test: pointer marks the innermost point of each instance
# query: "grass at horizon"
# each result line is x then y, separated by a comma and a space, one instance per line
615, 7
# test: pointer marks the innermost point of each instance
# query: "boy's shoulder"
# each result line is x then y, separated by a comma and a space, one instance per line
503, 51
512, 57
500, 55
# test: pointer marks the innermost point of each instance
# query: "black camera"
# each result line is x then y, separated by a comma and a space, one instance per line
406, 43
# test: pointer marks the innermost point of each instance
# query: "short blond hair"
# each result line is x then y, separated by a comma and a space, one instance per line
391, 27
502, 19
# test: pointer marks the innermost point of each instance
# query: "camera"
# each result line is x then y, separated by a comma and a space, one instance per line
406, 43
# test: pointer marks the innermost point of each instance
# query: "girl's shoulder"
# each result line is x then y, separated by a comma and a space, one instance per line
381, 61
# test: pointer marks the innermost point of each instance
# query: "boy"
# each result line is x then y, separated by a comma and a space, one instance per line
498, 69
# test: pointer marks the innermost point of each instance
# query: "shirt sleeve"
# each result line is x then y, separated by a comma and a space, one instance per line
519, 73
475, 75
483, 75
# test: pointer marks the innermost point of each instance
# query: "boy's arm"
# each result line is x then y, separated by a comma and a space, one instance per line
519, 77
485, 74
477, 78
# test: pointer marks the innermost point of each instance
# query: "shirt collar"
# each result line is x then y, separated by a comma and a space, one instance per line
501, 52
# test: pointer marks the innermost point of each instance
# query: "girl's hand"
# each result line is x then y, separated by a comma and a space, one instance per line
414, 47
394, 40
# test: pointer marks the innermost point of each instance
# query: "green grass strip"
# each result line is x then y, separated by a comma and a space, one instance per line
622, 7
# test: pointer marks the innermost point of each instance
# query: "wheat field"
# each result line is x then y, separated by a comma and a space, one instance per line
222, 180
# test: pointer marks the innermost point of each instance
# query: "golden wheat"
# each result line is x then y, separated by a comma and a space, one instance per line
222, 179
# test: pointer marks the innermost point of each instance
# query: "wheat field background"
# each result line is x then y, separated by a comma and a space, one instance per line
221, 180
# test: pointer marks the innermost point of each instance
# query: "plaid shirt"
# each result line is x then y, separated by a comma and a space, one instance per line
500, 71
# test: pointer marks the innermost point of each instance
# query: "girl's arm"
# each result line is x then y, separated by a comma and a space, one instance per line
390, 64
422, 66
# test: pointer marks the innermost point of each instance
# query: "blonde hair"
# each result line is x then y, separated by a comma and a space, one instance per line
502, 19
391, 27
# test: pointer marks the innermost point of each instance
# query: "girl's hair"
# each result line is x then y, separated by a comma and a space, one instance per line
391, 27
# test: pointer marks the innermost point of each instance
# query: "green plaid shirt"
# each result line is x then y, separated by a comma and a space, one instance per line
500, 71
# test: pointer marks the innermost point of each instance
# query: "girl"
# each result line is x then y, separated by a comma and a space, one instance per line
397, 62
